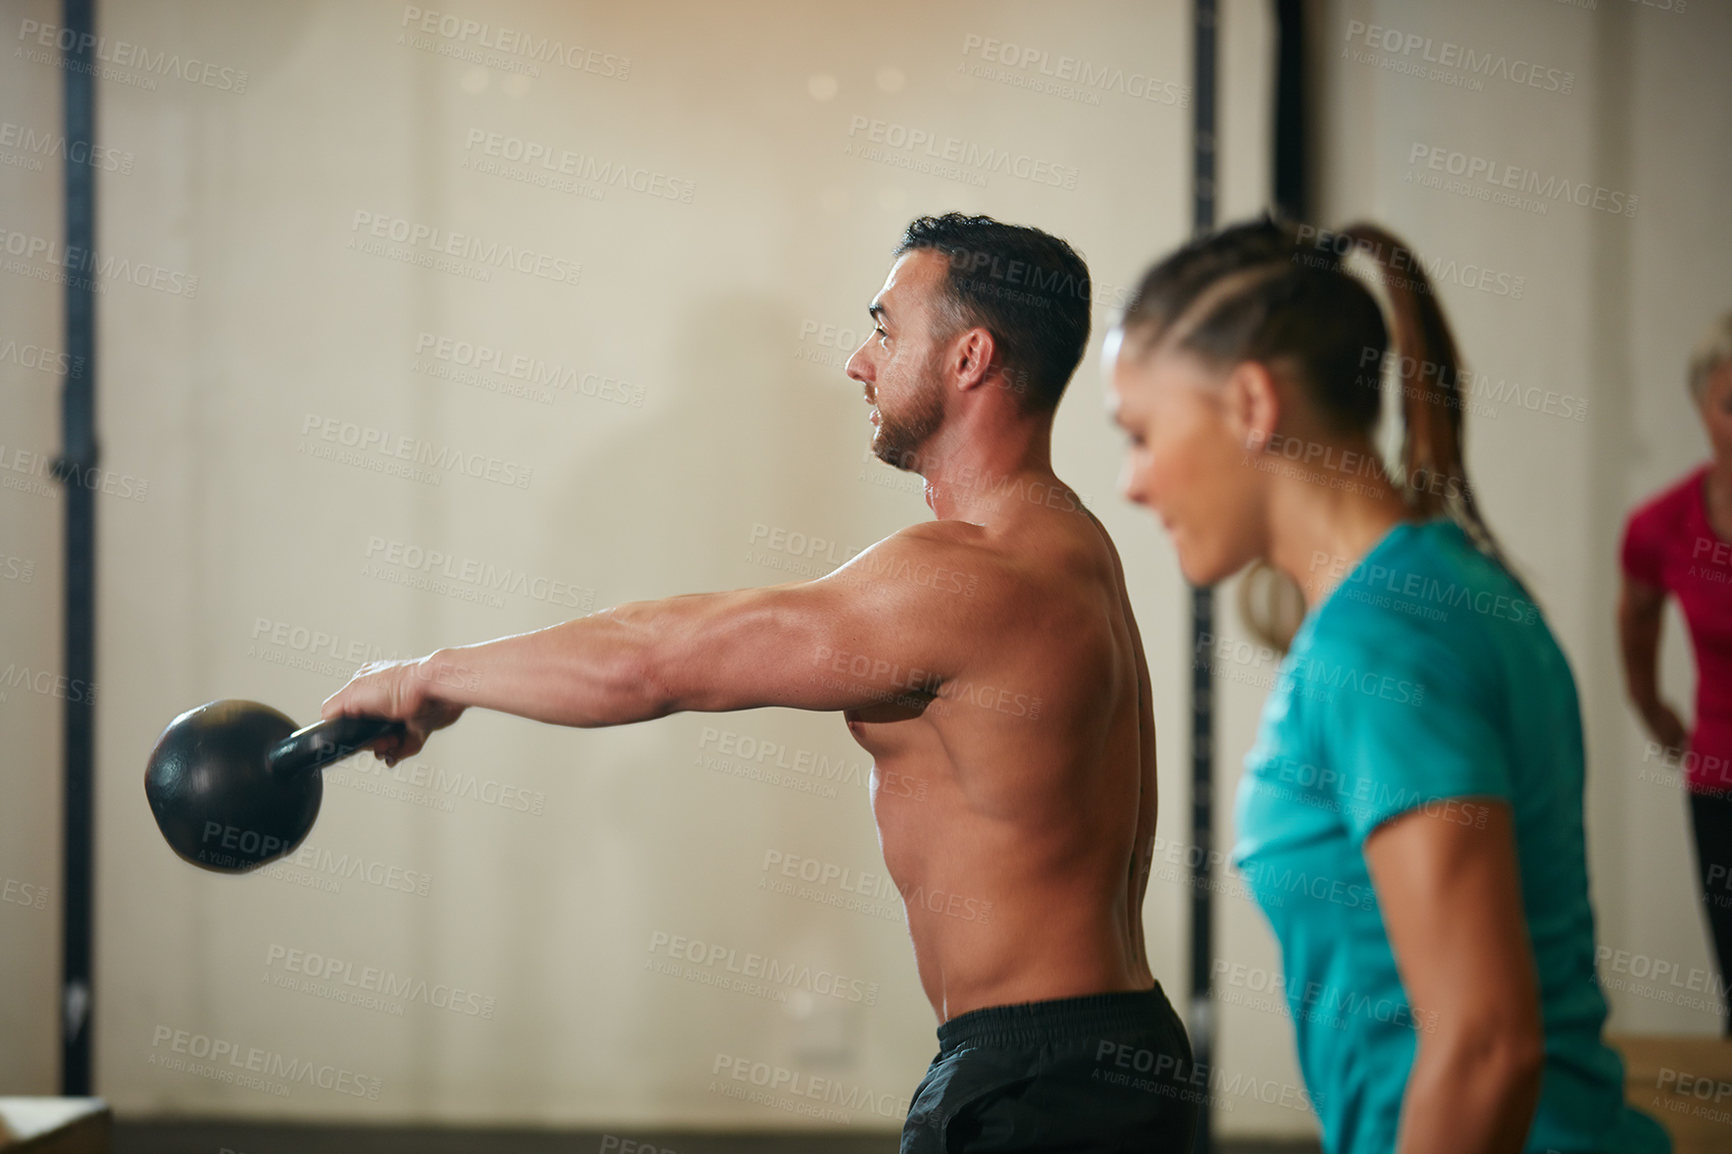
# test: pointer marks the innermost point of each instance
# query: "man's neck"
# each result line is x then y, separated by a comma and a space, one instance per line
971, 474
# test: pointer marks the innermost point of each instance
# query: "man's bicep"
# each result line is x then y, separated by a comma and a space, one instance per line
854, 638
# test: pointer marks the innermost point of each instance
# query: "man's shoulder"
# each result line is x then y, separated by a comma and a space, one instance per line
935, 560
940, 532
992, 571
1021, 557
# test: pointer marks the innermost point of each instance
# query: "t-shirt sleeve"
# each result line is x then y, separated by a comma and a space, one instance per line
1413, 725
1643, 552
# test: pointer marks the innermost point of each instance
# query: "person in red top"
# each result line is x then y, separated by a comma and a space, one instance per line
1680, 544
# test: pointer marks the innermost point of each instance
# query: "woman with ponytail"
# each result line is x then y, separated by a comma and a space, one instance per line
1410, 816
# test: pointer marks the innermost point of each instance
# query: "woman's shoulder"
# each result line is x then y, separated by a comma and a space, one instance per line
1430, 595
1426, 571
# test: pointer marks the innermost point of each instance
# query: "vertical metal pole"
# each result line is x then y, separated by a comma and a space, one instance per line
1201, 1016
75, 467
1292, 156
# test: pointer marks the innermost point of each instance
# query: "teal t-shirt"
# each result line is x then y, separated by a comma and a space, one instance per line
1426, 676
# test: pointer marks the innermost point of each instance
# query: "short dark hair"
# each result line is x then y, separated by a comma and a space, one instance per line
1027, 288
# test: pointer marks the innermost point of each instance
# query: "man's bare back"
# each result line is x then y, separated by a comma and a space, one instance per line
1022, 828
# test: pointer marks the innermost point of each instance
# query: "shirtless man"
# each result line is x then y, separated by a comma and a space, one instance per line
989, 655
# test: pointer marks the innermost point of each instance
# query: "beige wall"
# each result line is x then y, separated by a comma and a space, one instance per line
32, 369
705, 401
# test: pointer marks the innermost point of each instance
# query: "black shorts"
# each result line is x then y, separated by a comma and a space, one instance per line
1096, 1073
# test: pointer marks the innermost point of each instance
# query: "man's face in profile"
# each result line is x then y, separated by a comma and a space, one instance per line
901, 362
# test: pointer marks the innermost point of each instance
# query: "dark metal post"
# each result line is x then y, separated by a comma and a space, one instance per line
1201, 1016
75, 467
1292, 155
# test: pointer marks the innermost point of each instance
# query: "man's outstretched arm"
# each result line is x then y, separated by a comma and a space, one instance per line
877, 628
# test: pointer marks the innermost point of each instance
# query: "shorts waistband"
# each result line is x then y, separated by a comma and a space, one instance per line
1029, 1023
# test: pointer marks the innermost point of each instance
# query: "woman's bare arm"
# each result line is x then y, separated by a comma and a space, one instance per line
1641, 609
1448, 886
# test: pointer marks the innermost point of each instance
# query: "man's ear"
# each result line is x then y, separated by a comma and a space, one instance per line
1251, 401
972, 355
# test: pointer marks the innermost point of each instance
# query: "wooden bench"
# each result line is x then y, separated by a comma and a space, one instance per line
1685, 1082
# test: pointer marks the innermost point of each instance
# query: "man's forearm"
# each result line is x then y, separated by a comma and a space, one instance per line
590, 671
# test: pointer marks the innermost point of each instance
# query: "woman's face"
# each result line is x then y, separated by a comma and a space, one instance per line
1187, 460
1716, 409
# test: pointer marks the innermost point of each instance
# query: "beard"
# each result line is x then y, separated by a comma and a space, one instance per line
902, 434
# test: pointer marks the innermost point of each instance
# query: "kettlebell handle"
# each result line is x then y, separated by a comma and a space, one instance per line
319, 744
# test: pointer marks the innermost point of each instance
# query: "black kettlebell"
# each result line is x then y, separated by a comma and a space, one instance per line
234, 784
